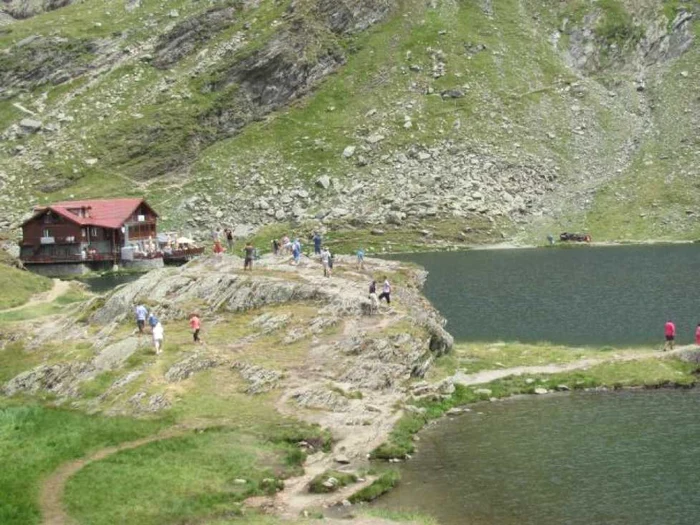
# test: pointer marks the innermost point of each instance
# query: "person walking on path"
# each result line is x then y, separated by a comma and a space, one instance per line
697, 335
195, 325
158, 337
360, 259
386, 291
152, 321
249, 256
670, 332
141, 315
326, 262
275, 247
229, 239
317, 243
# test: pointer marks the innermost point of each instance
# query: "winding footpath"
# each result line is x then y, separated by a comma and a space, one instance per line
59, 288
51, 497
487, 376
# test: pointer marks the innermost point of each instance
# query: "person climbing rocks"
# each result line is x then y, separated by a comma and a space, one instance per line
275, 247
670, 332
296, 251
158, 337
141, 315
360, 259
229, 239
386, 291
373, 299
326, 261
317, 243
216, 235
195, 325
249, 256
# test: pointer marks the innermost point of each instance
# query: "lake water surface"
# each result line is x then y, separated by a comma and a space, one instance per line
617, 296
586, 458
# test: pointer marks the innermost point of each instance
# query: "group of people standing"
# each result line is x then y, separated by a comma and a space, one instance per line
157, 331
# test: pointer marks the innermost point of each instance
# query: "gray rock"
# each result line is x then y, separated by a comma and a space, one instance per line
260, 379
375, 138
30, 125
541, 391
114, 355
342, 459
482, 392
188, 366
323, 182
349, 151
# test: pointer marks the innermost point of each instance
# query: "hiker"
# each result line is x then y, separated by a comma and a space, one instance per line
325, 261
317, 243
386, 291
275, 247
697, 335
216, 235
360, 259
141, 314
296, 251
195, 325
249, 256
158, 337
331, 261
286, 244
229, 239
670, 331
373, 299
152, 321
550, 239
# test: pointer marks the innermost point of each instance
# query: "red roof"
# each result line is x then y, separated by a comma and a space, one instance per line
104, 213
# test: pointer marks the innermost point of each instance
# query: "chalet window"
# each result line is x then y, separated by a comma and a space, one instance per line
46, 233
83, 232
93, 232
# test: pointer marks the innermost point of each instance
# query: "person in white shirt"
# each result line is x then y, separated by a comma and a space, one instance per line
158, 338
386, 291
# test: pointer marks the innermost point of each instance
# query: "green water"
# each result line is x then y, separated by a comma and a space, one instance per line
109, 281
622, 458
617, 296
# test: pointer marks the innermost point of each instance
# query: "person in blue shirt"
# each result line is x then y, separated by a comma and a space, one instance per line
141, 314
317, 243
360, 259
152, 321
296, 251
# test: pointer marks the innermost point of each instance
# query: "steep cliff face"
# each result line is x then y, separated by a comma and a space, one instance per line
528, 116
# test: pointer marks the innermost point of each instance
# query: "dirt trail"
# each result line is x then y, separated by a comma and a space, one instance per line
58, 289
487, 376
52, 488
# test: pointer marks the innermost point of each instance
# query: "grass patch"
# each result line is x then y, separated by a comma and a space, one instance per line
18, 286
320, 485
386, 481
34, 440
183, 479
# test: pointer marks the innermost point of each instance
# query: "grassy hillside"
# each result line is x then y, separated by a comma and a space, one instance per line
536, 115
18, 286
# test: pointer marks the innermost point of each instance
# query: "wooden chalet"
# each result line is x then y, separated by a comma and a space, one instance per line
100, 230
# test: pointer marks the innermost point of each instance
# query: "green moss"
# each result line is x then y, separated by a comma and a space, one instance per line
386, 481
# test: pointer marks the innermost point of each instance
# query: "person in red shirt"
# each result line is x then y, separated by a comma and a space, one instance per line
697, 335
195, 324
670, 331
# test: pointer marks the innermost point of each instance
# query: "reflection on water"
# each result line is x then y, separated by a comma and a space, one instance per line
583, 296
615, 459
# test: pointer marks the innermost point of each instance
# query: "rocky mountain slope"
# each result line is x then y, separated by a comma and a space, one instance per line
513, 118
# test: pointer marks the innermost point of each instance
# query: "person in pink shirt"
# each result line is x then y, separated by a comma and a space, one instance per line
697, 335
195, 325
670, 331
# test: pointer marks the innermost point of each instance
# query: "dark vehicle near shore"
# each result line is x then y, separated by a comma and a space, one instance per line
574, 237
